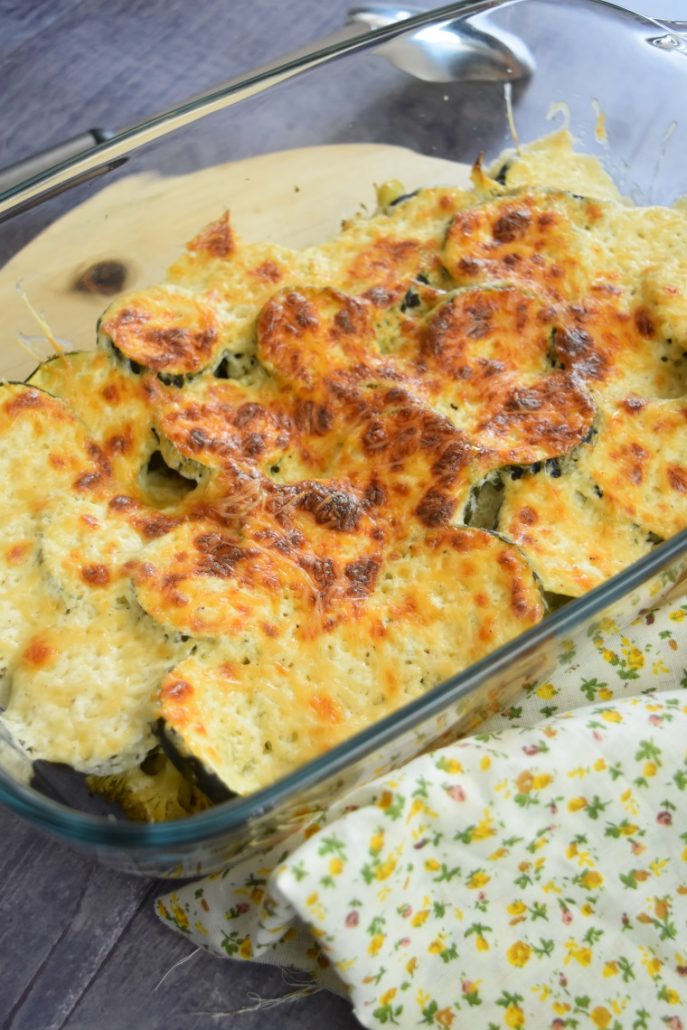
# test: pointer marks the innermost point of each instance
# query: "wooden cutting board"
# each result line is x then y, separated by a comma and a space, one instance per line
141, 222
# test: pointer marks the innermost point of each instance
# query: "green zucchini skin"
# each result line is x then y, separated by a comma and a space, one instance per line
191, 767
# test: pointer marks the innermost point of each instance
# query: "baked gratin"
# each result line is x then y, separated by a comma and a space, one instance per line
289, 491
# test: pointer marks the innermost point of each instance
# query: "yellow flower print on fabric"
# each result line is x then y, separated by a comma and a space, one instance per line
519, 954
615, 661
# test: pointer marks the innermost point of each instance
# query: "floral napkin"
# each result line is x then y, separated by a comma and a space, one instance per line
524, 877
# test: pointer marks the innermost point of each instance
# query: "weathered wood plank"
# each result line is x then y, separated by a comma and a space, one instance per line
110, 64
82, 949
46, 905
193, 994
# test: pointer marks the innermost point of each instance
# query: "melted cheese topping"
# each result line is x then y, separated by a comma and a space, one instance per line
110, 401
251, 709
73, 637
247, 516
640, 462
162, 328
573, 534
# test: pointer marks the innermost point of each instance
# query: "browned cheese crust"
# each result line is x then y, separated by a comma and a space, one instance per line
293, 465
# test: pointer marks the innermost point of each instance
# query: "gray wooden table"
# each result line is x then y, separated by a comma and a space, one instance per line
80, 947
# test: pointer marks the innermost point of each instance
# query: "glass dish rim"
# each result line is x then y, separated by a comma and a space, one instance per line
88, 828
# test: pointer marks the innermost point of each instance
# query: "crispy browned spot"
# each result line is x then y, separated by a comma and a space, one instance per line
153, 526
95, 575
269, 271
633, 405
677, 477
311, 418
87, 481
455, 457
362, 575
326, 708
168, 587
376, 494
511, 225
519, 599
38, 653
322, 570
634, 457
435, 508
25, 399
219, 555
644, 322
384, 296
528, 516
331, 506
575, 349
216, 239
99, 457
177, 690
17, 552
119, 443
122, 503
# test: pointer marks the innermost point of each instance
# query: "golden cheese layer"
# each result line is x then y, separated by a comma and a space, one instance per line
73, 636
269, 695
260, 515
574, 535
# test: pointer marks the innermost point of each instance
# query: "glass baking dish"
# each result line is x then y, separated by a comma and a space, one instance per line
590, 57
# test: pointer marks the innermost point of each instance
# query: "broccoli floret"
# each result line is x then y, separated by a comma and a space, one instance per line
153, 792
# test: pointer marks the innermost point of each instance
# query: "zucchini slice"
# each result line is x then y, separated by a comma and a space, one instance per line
112, 403
82, 693
572, 534
640, 462
483, 361
483, 331
164, 328
214, 422
305, 335
535, 237
618, 349
44, 454
248, 586
77, 652
445, 599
